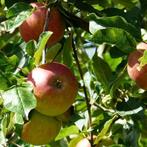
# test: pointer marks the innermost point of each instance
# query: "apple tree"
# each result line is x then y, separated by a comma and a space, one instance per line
73, 73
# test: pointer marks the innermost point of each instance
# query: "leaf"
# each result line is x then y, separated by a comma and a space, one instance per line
67, 52
132, 107
17, 8
143, 59
30, 47
114, 36
112, 62
11, 24
21, 63
131, 112
74, 141
115, 22
102, 71
41, 46
67, 131
52, 52
105, 129
115, 84
3, 81
2, 139
19, 99
6, 38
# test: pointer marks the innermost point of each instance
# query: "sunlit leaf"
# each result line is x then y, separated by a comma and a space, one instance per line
114, 36
19, 99
17, 8
14, 22
105, 129
41, 46
115, 22
67, 131
74, 141
143, 59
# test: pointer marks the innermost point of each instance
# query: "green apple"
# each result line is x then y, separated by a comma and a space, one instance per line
40, 129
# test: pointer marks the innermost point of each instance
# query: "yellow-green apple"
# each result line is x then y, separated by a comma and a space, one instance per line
137, 73
55, 88
40, 129
33, 26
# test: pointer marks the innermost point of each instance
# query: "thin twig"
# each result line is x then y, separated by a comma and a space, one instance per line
84, 89
45, 29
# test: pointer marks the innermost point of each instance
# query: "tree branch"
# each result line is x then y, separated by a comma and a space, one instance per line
84, 89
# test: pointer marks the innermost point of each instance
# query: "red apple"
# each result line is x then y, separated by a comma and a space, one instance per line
40, 129
33, 26
55, 88
83, 143
137, 73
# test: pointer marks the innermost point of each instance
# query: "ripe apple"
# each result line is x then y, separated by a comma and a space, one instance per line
40, 129
83, 143
33, 26
139, 75
55, 88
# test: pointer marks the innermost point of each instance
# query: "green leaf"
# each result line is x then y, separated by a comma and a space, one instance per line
19, 99
17, 8
41, 46
112, 62
74, 141
105, 129
67, 131
143, 59
30, 47
67, 52
11, 24
2, 138
6, 38
21, 63
52, 52
102, 71
115, 84
114, 36
115, 22
18, 118
3, 81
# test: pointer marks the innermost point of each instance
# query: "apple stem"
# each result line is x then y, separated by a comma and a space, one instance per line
84, 89
45, 29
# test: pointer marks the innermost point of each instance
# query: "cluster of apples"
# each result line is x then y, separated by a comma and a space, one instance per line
54, 85
135, 71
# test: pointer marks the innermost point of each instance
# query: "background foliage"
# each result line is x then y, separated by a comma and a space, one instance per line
101, 34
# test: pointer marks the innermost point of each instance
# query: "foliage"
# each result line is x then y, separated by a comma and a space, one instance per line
98, 38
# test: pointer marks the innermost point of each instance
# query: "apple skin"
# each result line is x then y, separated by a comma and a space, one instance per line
83, 143
55, 88
33, 26
40, 129
139, 75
